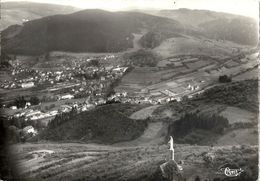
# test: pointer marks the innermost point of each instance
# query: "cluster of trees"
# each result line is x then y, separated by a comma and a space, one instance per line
62, 118
224, 79
103, 124
14, 126
191, 121
20, 102
142, 58
152, 39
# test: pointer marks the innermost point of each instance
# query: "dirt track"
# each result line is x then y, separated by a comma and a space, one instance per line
144, 113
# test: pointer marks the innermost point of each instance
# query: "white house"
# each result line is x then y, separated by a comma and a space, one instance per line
32, 113
27, 84
27, 104
30, 129
13, 107
67, 96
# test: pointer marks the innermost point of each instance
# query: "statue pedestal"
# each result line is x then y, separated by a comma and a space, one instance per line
171, 171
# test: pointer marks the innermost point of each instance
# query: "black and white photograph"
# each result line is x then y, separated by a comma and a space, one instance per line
129, 90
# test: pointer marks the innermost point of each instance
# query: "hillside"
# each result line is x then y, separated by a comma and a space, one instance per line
70, 161
216, 25
19, 12
104, 124
167, 33
84, 31
193, 17
240, 30
242, 94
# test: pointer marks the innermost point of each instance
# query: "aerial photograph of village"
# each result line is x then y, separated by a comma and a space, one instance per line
130, 90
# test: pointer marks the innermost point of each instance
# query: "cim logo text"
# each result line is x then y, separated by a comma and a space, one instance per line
232, 172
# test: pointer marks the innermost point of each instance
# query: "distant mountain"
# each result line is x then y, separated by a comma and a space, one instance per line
84, 31
193, 17
216, 25
20, 12
240, 30
104, 31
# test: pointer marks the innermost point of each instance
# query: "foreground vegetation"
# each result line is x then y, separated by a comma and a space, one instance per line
89, 162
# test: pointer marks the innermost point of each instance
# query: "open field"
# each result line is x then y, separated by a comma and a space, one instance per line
235, 115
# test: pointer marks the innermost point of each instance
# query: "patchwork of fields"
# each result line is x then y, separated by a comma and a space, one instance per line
185, 75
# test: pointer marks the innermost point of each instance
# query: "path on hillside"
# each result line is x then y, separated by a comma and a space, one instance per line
154, 132
151, 136
144, 113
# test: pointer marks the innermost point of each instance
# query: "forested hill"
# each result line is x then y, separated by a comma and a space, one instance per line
83, 31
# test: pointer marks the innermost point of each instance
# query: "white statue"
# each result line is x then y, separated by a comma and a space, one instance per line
171, 147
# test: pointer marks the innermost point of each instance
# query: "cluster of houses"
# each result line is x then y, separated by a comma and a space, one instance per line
193, 87
35, 114
95, 86
27, 78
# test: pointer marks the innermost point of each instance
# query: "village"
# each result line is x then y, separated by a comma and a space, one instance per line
90, 82
79, 87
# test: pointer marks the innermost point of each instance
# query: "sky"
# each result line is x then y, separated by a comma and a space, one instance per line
241, 7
